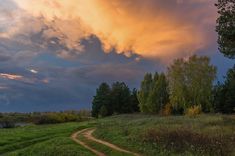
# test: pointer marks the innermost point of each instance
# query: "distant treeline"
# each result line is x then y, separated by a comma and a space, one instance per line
186, 88
9, 120
117, 99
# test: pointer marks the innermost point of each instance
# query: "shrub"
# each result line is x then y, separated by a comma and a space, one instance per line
193, 111
55, 117
6, 122
167, 110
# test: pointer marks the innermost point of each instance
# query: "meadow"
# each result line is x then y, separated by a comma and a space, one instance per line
173, 135
40, 140
148, 135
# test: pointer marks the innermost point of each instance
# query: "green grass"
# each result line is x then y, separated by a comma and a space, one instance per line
49, 140
154, 135
60, 146
145, 134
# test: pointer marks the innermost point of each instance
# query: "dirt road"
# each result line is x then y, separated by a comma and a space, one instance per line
87, 133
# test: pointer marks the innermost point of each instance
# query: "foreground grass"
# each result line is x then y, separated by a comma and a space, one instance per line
174, 135
145, 134
45, 140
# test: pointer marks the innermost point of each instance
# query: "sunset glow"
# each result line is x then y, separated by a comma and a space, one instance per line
151, 28
54, 53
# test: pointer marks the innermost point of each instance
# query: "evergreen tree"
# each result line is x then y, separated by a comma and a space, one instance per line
102, 98
103, 112
229, 92
134, 103
224, 94
120, 95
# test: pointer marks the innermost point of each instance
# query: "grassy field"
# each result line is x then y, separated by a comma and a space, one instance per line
174, 135
145, 134
43, 140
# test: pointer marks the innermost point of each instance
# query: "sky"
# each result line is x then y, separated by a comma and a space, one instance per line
55, 53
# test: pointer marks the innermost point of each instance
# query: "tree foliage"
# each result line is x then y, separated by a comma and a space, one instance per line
101, 98
153, 94
134, 103
118, 99
226, 27
224, 94
191, 83
143, 94
120, 96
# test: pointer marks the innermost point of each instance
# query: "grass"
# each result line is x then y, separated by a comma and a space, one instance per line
173, 135
60, 146
146, 134
50, 140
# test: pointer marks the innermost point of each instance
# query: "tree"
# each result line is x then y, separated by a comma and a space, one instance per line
120, 96
102, 98
218, 97
224, 94
191, 82
229, 89
143, 94
158, 95
226, 27
153, 94
103, 112
177, 85
134, 103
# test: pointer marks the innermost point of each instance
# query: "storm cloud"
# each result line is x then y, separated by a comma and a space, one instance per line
53, 54
152, 29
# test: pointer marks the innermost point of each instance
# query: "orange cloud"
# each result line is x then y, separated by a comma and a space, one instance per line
152, 29
30, 80
11, 76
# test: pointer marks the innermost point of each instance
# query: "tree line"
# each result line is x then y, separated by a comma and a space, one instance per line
117, 99
11, 120
186, 87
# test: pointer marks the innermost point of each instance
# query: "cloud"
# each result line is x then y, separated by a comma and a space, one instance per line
33, 71
152, 29
11, 76
25, 79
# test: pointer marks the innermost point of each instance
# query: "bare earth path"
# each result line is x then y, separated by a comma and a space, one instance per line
74, 138
88, 134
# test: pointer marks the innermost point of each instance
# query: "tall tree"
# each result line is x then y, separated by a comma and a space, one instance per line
177, 85
120, 95
224, 96
229, 90
134, 103
191, 82
102, 98
158, 95
218, 97
226, 27
143, 94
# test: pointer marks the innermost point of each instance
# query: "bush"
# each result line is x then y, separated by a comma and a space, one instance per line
60, 117
193, 111
167, 110
6, 122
